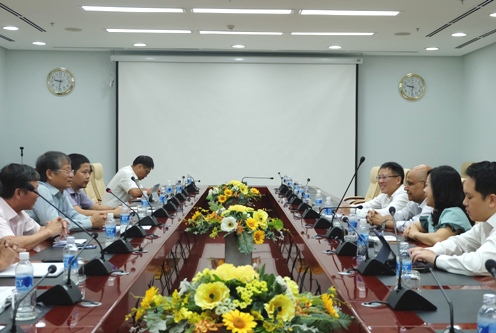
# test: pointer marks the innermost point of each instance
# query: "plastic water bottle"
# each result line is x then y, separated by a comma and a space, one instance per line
306, 197
179, 186
362, 242
328, 208
110, 228
189, 179
71, 264
352, 222
163, 193
125, 218
168, 189
289, 182
318, 200
406, 260
486, 319
24, 283
144, 203
296, 186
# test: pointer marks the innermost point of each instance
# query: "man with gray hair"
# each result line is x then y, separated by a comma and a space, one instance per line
55, 176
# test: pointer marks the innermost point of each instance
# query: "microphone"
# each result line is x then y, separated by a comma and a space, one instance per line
402, 298
22, 154
328, 224
451, 328
297, 200
349, 248
283, 188
191, 187
242, 179
14, 328
96, 266
491, 267
336, 232
149, 220
136, 230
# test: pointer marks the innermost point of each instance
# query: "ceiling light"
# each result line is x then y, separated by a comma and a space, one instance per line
39, 43
11, 28
149, 31
350, 12
139, 44
132, 9
459, 34
238, 46
335, 47
332, 33
492, 15
238, 59
241, 11
255, 33
432, 48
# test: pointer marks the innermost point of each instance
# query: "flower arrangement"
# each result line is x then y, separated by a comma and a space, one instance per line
251, 226
234, 191
240, 300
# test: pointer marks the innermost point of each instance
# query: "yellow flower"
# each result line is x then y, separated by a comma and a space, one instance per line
254, 191
246, 273
293, 286
238, 208
283, 306
329, 306
261, 216
239, 322
147, 300
225, 272
222, 198
196, 215
258, 237
235, 183
208, 295
252, 223
228, 192
243, 189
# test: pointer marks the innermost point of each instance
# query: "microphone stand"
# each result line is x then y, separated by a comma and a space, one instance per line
96, 266
349, 248
242, 179
13, 327
147, 220
136, 231
297, 200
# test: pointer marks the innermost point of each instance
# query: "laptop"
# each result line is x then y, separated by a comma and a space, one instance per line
154, 196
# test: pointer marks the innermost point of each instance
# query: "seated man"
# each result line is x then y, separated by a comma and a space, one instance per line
8, 252
55, 176
80, 201
123, 186
467, 253
15, 224
390, 178
416, 206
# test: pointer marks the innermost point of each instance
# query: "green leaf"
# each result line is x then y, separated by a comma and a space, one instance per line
245, 243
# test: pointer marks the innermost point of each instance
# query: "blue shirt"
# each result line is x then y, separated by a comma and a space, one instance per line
454, 217
79, 198
43, 212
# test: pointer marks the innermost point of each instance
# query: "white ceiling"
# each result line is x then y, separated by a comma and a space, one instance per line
418, 18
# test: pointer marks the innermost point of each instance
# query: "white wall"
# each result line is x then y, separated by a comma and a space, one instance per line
82, 122
3, 97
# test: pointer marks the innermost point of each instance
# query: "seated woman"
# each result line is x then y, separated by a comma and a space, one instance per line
444, 192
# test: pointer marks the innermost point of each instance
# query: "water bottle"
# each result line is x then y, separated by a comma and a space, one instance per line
189, 179
328, 208
289, 182
486, 319
144, 203
296, 186
163, 193
285, 180
318, 200
179, 186
24, 283
125, 218
352, 226
168, 189
110, 228
362, 242
70, 264
306, 197
406, 260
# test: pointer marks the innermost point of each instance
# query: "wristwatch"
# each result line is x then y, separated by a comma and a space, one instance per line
383, 224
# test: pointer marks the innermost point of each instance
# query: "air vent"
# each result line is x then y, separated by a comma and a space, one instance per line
476, 39
25, 19
471, 11
7, 38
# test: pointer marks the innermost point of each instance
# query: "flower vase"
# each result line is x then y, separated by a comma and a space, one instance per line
232, 254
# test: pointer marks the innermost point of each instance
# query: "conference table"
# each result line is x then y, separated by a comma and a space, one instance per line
168, 255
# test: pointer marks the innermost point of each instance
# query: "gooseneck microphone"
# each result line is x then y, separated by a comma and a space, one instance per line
96, 266
22, 154
14, 328
338, 232
147, 220
451, 328
491, 267
136, 230
243, 179
402, 298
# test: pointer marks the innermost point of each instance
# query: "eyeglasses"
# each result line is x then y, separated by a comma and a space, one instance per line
384, 177
67, 172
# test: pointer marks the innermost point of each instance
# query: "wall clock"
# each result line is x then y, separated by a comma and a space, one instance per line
60, 81
412, 87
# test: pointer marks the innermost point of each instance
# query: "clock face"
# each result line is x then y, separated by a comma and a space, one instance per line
60, 81
412, 87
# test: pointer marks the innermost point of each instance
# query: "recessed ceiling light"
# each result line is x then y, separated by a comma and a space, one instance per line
255, 33
350, 12
332, 33
492, 15
11, 28
334, 47
238, 46
39, 43
238, 59
241, 11
139, 44
149, 31
132, 9
459, 34
432, 48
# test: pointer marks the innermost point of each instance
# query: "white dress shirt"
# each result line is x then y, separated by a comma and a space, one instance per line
13, 224
382, 202
120, 185
411, 214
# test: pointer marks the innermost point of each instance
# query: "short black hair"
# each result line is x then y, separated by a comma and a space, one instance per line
395, 168
77, 160
146, 161
14, 176
484, 175
51, 160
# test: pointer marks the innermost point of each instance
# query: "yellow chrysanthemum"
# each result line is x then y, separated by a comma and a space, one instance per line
327, 300
222, 198
208, 295
228, 192
246, 273
196, 216
235, 183
243, 189
147, 300
237, 208
252, 223
225, 272
239, 322
259, 237
283, 306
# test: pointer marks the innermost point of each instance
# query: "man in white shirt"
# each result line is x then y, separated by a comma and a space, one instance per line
122, 184
467, 253
416, 206
390, 179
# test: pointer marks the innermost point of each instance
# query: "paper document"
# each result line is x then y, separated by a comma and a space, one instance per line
40, 269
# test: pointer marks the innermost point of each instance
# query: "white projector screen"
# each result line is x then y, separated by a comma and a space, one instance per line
225, 121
